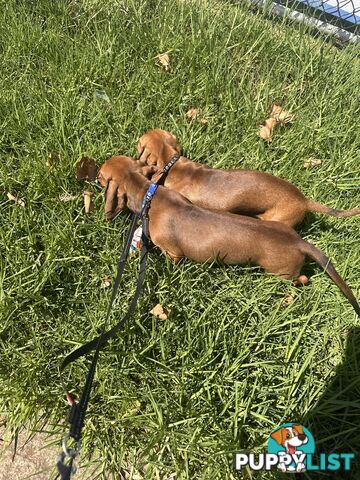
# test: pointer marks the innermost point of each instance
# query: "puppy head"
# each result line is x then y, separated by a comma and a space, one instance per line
155, 147
293, 436
112, 175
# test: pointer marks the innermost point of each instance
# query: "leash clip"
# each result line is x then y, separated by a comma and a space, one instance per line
70, 452
66, 469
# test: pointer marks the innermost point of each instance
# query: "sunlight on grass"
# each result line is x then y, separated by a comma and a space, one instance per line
180, 395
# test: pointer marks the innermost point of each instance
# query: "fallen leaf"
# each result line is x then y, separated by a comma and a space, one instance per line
15, 199
102, 95
277, 116
288, 299
191, 113
281, 115
164, 61
86, 169
204, 121
67, 197
160, 312
106, 282
88, 203
266, 130
312, 162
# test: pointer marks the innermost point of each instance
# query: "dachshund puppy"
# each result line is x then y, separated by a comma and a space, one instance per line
174, 225
247, 192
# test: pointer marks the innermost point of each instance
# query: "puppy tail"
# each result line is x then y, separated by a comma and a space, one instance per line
318, 207
325, 263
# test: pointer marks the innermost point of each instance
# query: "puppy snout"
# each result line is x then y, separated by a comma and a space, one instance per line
302, 436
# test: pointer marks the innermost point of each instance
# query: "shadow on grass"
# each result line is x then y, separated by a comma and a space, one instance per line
315, 222
335, 419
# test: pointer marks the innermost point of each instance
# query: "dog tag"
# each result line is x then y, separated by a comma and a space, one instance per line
136, 241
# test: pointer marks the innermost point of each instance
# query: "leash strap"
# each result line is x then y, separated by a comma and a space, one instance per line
78, 410
87, 347
65, 461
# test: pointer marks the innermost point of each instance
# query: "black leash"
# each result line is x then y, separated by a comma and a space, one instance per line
78, 410
65, 461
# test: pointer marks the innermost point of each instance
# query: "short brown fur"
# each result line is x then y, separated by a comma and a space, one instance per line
175, 223
247, 192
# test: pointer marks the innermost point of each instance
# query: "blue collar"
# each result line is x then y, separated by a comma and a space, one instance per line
150, 192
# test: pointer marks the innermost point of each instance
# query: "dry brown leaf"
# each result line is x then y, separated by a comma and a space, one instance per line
106, 282
88, 203
164, 61
160, 312
281, 115
204, 121
312, 162
191, 113
86, 169
277, 116
288, 299
15, 199
67, 197
266, 130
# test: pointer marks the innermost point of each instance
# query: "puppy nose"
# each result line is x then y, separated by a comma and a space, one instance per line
302, 436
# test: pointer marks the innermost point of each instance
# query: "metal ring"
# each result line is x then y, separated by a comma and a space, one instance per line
70, 452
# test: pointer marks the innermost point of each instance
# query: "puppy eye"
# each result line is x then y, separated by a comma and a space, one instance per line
288, 435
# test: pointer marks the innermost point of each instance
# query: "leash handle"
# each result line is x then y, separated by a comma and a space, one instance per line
78, 411
87, 347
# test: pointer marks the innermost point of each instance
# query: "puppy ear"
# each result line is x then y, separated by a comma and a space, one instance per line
114, 200
143, 153
149, 170
298, 429
139, 147
277, 436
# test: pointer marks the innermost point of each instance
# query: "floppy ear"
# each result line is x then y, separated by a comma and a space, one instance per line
114, 200
149, 170
139, 148
298, 429
144, 155
278, 436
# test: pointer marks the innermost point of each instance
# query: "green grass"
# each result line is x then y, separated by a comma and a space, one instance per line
232, 363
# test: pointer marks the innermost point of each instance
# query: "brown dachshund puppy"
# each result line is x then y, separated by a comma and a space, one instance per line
247, 192
175, 223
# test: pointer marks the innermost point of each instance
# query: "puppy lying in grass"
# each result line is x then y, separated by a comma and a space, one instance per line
174, 224
248, 192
